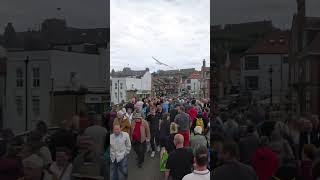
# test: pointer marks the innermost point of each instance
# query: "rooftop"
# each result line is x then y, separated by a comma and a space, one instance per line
195, 75
127, 72
276, 42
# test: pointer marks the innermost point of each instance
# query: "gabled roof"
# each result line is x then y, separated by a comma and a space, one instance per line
276, 42
194, 75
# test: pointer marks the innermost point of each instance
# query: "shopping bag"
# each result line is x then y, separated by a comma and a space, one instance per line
163, 161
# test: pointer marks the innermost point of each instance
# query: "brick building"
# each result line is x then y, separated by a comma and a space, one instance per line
304, 61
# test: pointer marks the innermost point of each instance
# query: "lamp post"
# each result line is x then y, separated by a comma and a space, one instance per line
52, 98
118, 94
26, 61
270, 71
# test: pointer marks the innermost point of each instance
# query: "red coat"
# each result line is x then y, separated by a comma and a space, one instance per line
265, 162
193, 112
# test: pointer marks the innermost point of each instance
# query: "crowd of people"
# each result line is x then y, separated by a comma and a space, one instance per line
176, 128
247, 143
70, 152
192, 139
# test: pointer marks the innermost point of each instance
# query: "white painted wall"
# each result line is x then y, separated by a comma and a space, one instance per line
114, 98
90, 69
195, 85
130, 83
265, 60
146, 81
36, 59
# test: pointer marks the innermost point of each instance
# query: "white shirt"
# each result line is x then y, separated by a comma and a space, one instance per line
57, 171
120, 146
198, 175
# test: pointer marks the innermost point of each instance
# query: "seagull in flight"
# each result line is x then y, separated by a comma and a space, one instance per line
161, 63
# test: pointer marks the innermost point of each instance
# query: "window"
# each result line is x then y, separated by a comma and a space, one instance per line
285, 60
19, 77
189, 87
19, 105
116, 94
36, 105
251, 62
252, 82
189, 81
116, 86
121, 85
36, 77
121, 95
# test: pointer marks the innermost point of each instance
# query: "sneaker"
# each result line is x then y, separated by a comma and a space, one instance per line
139, 165
158, 148
152, 154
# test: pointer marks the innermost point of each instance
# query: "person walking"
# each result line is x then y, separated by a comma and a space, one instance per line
123, 121
62, 167
140, 135
120, 146
248, 144
232, 169
180, 161
96, 131
184, 122
198, 139
200, 171
153, 120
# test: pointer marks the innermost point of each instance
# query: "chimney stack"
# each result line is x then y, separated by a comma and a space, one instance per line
204, 63
301, 14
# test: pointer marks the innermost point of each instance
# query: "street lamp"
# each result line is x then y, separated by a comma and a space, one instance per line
26, 61
52, 98
270, 71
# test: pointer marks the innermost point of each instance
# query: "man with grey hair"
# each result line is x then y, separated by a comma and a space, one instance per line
198, 139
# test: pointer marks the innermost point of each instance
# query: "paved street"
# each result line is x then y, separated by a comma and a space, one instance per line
149, 171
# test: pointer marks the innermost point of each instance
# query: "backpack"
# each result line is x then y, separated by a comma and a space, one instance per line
199, 122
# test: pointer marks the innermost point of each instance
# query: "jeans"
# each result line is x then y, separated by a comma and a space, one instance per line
154, 141
140, 149
119, 170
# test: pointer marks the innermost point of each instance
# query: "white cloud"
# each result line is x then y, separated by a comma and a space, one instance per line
175, 31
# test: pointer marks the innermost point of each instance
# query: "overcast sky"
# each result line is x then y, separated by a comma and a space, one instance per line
30, 13
279, 11
177, 32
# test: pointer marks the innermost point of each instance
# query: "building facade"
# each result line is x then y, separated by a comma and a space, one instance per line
205, 81
128, 83
304, 58
193, 84
41, 82
265, 68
